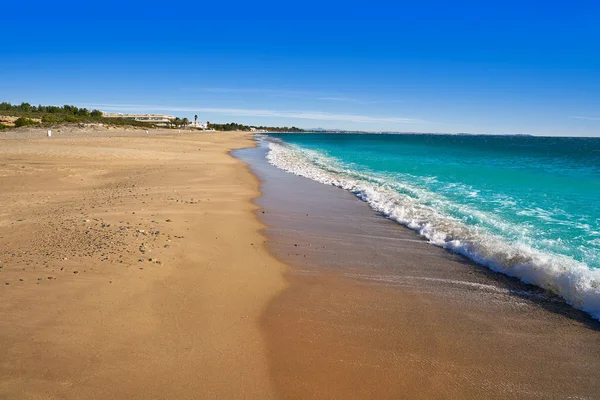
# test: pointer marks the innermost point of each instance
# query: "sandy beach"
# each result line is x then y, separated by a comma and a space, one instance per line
132, 267
145, 266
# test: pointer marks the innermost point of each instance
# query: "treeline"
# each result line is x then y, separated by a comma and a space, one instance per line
40, 109
56, 114
233, 126
279, 129
49, 115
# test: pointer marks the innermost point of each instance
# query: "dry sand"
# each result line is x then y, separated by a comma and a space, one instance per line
132, 267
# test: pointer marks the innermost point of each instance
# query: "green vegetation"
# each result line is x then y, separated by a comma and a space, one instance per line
2, 127
58, 115
51, 115
49, 119
176, 122
22, 121
232, 126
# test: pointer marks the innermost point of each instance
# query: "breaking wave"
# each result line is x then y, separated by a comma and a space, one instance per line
423, 211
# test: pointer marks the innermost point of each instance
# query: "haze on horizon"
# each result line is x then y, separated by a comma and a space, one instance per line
512, 67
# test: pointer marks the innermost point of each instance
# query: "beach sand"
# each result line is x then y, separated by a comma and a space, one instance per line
374, 311
132, 267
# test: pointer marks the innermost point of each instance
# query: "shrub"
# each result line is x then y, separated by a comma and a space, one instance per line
4, 127
70, 118
49, 119
24, 122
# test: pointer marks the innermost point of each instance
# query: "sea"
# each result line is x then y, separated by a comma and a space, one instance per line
525, 206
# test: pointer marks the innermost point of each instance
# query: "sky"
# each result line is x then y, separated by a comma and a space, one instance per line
419, 66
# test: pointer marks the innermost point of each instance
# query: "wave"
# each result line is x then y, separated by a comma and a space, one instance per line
421, 211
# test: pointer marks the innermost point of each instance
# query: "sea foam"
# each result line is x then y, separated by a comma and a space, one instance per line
416, 208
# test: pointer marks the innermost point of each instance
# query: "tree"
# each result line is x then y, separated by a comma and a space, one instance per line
185, 122
195, 119
25, 107
96, 113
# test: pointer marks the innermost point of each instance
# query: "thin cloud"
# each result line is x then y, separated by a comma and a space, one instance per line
323, 96
587, 118
346, 99
244, 112
271, 92
357, 101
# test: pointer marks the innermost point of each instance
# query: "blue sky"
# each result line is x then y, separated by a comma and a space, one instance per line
426, 66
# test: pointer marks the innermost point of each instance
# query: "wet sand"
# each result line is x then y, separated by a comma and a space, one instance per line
132, 267
374, 311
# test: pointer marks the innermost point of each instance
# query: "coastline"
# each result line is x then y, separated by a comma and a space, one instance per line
374, 311
254, 283
133, 267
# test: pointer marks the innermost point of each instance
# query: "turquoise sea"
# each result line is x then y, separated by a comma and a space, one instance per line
525, 206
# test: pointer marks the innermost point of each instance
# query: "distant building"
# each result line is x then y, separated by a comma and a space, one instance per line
257, 130
155, 119
199, 125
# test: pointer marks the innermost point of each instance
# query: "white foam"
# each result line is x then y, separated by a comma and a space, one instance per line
418, 209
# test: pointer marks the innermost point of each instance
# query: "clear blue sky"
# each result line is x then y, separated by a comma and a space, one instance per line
420, 66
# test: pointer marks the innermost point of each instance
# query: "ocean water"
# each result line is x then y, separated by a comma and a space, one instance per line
525, 206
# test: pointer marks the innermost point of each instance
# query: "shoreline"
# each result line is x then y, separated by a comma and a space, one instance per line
178, 264
133, 266
373, 310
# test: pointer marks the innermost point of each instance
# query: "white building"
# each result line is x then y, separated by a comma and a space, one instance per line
156, 119
199, 125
